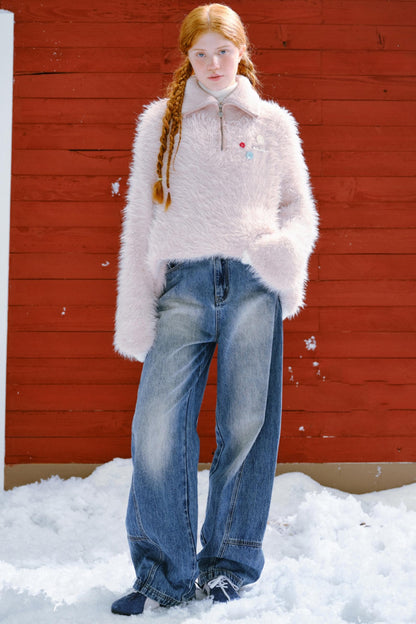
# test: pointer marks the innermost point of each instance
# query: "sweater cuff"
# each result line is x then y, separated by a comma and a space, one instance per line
274, 258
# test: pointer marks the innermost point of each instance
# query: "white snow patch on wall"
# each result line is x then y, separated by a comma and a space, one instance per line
310, 343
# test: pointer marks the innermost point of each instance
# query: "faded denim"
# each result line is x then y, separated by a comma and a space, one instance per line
205, 303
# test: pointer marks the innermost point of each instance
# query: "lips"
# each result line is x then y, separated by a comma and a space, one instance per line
217, 77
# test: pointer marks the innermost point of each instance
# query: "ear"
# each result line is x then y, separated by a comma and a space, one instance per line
242, 50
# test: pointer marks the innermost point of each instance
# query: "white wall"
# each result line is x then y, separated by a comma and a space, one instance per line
6, 105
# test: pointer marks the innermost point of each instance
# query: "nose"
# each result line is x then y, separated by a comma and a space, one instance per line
213, 62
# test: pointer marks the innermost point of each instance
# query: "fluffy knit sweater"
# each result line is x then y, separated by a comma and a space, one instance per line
240, 189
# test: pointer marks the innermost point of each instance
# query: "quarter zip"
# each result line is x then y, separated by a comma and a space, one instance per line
221, 115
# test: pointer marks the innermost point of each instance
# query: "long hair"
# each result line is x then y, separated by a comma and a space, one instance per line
217, 18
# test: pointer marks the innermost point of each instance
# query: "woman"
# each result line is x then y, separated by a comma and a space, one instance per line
218, 229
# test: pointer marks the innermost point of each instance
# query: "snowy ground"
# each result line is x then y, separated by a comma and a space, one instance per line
330, 557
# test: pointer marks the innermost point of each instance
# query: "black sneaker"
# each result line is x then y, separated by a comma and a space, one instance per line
221, 589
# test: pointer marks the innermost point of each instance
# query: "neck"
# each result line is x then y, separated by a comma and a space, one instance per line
222, 93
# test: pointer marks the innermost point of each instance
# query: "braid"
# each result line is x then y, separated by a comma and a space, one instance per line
247, 69
172, 125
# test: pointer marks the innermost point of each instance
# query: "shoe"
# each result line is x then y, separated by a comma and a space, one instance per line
131, 604
221, 589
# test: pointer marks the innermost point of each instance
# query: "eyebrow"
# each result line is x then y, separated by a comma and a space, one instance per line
227, 45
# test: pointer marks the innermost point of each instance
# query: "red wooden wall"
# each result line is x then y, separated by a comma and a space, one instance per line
83, 70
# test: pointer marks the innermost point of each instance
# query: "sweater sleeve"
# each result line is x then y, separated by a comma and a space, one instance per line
136, 312
281, 257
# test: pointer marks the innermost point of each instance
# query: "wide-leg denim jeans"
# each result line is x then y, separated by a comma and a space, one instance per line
205, 303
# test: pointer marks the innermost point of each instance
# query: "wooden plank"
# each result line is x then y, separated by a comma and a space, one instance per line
69, 188
366, 240
66, 214
355, 36
79, 136
63, 292
288, 61
61, 318
99, 240
322, 450
338, 397
361, 164
87, 85
63, 265
69, 424
371, 113
368, 12
96, 10
339, 87
61, 344
369, 138
94, 35
369, 319
71, 162
86, 59
352, 344
367, 266
76, 111
365, 63
355, 370
112, 370
380, 214
349, 424
371, 189
66, 450
363, 293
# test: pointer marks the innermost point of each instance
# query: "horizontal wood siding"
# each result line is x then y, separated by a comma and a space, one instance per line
83, 71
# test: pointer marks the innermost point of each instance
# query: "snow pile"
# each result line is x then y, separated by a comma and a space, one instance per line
331, 557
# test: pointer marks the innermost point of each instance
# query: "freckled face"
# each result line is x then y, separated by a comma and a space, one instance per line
214, 60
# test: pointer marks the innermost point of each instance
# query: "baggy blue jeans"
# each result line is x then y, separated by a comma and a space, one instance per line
205, 303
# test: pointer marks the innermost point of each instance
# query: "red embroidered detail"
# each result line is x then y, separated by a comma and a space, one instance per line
242, 144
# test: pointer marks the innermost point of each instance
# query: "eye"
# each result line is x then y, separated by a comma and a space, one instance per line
200, 55
223, 52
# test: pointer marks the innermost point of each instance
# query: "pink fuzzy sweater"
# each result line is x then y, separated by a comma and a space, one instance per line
239, 188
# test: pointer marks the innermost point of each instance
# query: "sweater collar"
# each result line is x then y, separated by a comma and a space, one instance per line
244, 97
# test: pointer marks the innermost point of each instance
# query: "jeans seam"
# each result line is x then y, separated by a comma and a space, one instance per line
188, 521
220, 450
139, 521
232, 541
231, 511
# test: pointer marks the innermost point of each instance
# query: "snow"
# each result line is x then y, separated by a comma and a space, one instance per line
115, 187
331, 557
310, 343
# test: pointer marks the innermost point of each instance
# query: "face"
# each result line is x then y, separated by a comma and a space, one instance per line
214, 60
